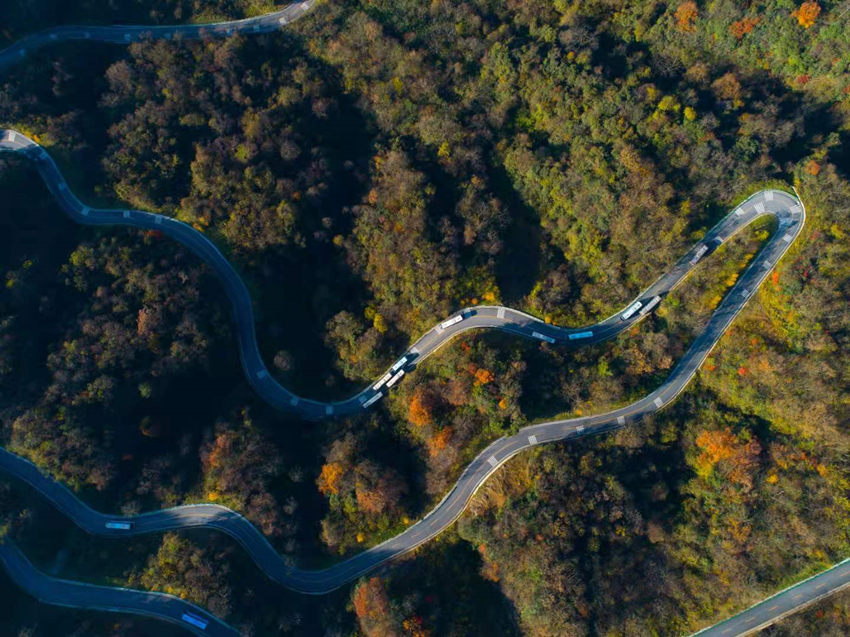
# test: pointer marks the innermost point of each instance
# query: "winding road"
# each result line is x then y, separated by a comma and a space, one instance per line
785, 208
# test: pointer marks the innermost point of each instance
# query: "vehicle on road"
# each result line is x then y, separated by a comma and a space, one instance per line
392, 381
648, 307
195, 620
452, 321
382, 381
699, 254
401, 362
634, 307
578, 335
119, 526
543, 337
372, 400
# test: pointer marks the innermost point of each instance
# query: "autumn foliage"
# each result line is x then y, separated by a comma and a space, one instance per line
686, 16
723, 446
372, 606
807, 14
330, 477
742, 27
420, 408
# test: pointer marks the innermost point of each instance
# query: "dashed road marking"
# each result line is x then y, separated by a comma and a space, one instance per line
774, 607
492, 460
621, 420
798, 596
532, 440
262, 374
658, 402
769, 195
501, 313
787, 238
759, 207
739, 212
821, 585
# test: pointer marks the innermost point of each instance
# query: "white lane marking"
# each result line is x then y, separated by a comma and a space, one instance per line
798, 596
821, 585
774, 607
769, 195
759, 207
787, 238
501, 313
532, 440
658, 402
727, 631
621, 420
85, 211
294, 401
126, 214
492, 460
262, 374
12, 136
329, 409
739, 212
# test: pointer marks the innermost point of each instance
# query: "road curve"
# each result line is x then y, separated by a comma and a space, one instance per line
60, 592
135, 33
770, 202
787, 209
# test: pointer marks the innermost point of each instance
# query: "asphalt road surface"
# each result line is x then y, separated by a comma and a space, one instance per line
139, 33
782, 604
784, 207
787, 210
60, 592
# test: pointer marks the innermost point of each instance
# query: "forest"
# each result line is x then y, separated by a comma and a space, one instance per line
370, 169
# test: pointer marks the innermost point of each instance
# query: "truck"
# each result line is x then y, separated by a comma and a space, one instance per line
118, 525
577, 335
648, 307
452, 321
